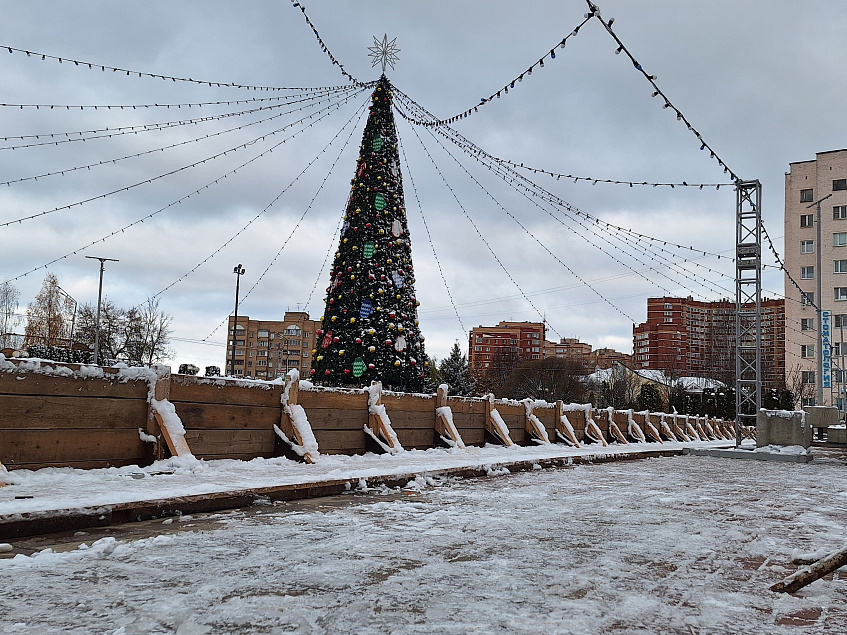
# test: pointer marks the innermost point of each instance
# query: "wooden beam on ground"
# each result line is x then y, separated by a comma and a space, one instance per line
444, 419
816, 571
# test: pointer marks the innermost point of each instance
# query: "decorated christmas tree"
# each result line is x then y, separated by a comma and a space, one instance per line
369, 330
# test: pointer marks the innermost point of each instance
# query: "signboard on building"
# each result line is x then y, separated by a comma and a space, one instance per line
826, 350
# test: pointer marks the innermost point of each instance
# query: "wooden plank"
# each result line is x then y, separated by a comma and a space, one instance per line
394, 403
219, 391
418, 439
218, 443
44, 413
343, 441
206, 416
79, 465
462, 405
412, 420
49, 385
330, 420
69, 445
313, 400
473, 436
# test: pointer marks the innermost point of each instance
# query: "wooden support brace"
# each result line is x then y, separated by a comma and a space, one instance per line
564, 429
616, 433
378, 422
444, 419
651, 431
290, 396
160, 408
592, 431
533, 426
494, 423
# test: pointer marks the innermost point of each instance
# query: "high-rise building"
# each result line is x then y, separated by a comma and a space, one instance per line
697, 339
266, 349
823, 179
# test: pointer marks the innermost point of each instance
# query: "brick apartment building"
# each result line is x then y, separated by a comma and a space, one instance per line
806, 183
266, 349
510, 341
697, 339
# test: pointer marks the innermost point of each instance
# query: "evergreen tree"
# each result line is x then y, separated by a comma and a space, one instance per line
455, 371
369, 328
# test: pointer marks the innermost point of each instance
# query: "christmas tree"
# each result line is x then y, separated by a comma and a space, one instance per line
369, 330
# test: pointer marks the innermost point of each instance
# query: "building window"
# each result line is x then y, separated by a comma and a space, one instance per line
808, 401
840, 266
807, 298
807, 350
263, 333
667, 319
840, 320
807, 196
839, 184
807, 324
807, 246
291, 330
668, 306
807, 220
807, 273
841, 293
807, 376
839, 376
835, 349
839, 212
839, 239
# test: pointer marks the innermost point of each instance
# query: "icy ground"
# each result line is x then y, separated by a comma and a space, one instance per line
684, 545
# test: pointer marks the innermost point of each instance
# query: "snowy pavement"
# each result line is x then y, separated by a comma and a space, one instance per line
49, 490
666, 545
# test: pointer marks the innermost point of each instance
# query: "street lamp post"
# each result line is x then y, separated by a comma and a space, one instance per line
238, 271
99, 302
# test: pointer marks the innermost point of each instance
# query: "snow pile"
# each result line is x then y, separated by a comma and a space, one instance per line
447, 413
794, 450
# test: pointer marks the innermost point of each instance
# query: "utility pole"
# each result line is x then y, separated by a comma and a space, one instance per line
819, 305
238, 271
99, 301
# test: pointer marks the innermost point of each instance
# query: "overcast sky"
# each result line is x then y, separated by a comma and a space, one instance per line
764, 83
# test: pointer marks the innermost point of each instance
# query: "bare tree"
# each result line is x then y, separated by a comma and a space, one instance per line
493, 378
549, 379
9, 318
49, 315
801, 384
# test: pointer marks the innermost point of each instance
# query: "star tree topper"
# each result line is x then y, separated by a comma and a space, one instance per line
384, 52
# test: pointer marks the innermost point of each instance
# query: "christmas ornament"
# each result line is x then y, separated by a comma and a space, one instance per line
379, 202
368, 250
398, 280
366, 310
400, 344
396, 229
358, 367
327, 341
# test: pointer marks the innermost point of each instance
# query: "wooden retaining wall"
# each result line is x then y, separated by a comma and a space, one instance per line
63, 415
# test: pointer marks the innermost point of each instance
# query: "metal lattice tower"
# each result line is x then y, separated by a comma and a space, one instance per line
748, 303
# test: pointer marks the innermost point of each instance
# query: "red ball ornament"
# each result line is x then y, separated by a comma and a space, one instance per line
413, 362
392, 315
358, 340
346, 371
371, 276
368, 225
349, 269
334, 339
382, 277
327, 372
319, 332
371, 366
312, 372
388, 342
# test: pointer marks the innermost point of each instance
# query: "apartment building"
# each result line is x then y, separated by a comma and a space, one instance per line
507, 342
266, 349
697, 339
821, 182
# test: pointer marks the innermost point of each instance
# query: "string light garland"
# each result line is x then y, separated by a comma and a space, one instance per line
267, 207
429, 235
199, 104
104, 133
324, 47
191, 194
657, 92
167, 147
509, 85
476, 228
129, 72
474, 150
189, 166
595, 181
